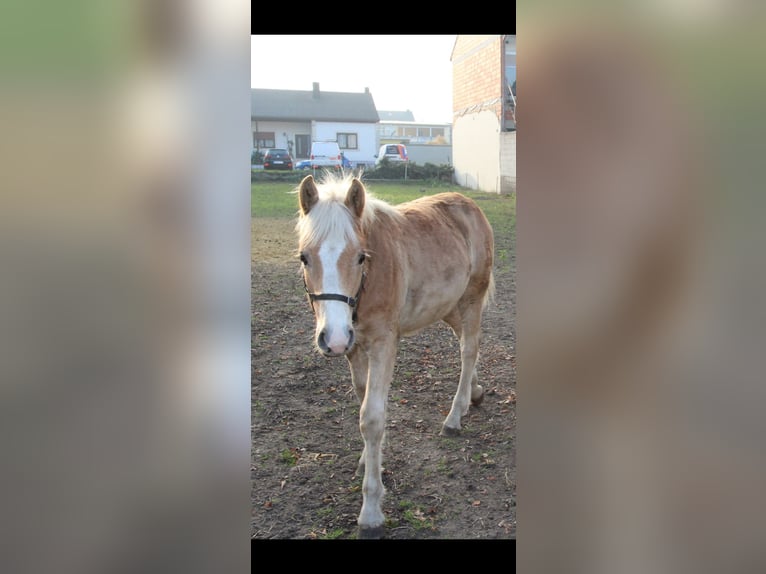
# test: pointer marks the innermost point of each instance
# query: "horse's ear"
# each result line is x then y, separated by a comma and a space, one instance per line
355, 198
308, 194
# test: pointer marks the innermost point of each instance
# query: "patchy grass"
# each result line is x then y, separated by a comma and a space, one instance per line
484, 458
332, 534
289, 457
414, 516
442, 466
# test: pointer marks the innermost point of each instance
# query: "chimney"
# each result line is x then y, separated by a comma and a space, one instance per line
367, 90
316, 91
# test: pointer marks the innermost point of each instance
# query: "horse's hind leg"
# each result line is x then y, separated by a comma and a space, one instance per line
454, 320
466, 326
477, 391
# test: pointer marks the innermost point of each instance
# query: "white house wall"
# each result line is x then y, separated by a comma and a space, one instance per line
476, 151
283, 131
366, 138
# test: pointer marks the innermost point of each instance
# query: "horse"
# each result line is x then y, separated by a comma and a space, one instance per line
375, 272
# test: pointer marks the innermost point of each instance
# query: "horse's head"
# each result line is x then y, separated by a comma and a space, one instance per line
332, 251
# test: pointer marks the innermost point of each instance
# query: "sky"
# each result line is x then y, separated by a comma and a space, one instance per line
403, 72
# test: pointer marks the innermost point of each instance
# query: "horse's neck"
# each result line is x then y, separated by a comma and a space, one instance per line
383, 230
382, 236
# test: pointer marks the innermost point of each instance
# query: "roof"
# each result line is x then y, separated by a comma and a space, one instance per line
407, 116
307, 105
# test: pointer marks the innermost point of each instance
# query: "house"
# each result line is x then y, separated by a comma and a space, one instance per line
292, 119
483, 102
426, 142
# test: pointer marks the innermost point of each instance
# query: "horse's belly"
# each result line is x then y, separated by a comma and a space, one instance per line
425, 306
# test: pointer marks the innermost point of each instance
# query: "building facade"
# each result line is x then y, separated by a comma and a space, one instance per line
426, 142
483, 101
292, 119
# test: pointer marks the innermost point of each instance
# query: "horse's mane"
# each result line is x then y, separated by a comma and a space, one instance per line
330, 214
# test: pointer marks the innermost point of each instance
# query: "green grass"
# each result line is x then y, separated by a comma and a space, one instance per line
443, 466
449, 442
289, 457
275, 200
333, 534
414, 516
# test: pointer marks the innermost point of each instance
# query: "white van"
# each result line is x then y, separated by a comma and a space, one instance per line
395, 153
325, 154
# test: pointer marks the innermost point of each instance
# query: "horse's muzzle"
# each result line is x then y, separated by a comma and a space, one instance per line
335, 346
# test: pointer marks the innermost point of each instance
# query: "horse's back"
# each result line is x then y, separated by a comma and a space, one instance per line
451, 216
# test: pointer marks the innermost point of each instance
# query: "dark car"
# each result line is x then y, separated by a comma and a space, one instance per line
277, 158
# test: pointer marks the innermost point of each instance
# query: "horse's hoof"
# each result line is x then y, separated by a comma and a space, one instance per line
476, 401
449, 431
370, 533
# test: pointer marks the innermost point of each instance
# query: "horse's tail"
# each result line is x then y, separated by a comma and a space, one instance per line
489, 295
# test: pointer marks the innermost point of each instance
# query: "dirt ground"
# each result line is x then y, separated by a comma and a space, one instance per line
305, 427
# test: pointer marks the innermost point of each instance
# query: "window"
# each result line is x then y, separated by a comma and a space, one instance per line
263, 140
347, 141
510, 64
509, 90
411, 132
436, 132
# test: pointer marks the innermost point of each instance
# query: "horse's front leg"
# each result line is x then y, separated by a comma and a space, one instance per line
372, 423
358, 364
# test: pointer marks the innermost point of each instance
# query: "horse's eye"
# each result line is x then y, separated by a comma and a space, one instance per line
304, 260
362, 257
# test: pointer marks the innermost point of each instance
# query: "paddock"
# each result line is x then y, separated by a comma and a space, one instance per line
305, 416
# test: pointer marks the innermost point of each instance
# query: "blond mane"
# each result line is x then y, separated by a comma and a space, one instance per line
330, 216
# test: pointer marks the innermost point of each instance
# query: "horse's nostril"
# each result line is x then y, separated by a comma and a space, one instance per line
350, 338
322, 342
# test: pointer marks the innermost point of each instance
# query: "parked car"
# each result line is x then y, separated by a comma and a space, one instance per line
325, 154
393, 153
277, 158
306, 163
303, 164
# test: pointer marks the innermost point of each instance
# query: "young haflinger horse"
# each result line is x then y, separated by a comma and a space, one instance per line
374, 273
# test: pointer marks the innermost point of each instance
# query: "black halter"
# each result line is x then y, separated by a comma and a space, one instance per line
350, 301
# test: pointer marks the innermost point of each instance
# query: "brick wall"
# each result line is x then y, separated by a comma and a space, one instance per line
477, 73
